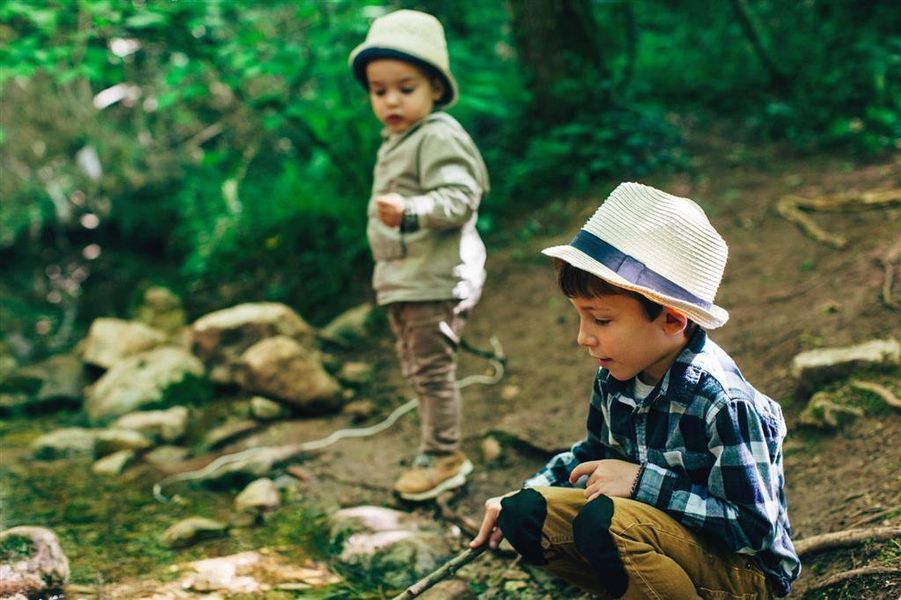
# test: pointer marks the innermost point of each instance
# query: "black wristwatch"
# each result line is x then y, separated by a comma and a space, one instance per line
410, 222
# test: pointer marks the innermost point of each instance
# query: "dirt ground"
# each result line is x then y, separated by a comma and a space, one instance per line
786, 293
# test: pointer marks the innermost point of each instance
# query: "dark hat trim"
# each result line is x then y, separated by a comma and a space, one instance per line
632, 270
370, 54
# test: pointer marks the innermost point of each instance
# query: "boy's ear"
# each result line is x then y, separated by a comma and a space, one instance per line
674, 322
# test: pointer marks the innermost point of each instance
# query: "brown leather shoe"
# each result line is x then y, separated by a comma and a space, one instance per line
432, 474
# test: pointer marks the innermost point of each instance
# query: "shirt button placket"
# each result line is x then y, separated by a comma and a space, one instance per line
641, 448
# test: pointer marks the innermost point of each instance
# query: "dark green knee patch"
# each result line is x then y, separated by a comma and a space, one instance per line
591, 535
521, 519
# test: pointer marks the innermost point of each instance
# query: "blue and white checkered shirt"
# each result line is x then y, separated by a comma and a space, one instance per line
710, 450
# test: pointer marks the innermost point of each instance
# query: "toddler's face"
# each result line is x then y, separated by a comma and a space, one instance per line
400, 93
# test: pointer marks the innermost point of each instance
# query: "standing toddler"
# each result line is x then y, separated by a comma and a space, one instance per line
429, 259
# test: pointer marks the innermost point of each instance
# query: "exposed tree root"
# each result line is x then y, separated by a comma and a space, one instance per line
888, 278
792, 209
846, 575
790, 212
880, 390
843, 539
849, 202
889, 262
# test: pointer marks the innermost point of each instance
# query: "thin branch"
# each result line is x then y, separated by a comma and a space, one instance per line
445, 570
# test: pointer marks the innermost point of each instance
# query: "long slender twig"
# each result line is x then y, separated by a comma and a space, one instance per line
445, 570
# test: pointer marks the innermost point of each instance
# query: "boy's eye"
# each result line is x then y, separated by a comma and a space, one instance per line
378, 92
601, 322
407, 90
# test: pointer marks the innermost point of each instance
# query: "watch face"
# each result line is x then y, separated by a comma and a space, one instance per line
410, 221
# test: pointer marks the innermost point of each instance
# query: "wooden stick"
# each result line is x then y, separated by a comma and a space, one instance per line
445, 570
842, 539
844, 576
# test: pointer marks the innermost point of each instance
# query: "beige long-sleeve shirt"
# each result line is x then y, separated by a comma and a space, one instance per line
438, 170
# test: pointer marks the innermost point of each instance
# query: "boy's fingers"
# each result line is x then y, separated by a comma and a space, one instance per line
581, 469
496, 538
487, 525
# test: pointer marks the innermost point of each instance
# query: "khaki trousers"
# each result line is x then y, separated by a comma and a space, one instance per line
428, 334
621, 548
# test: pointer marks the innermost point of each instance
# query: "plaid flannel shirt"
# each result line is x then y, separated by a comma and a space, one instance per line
710, 450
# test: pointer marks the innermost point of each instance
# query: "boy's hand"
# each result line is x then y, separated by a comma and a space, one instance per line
390, 209
489, 531
610, 477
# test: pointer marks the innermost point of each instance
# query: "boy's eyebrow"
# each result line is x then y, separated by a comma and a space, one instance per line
588, 305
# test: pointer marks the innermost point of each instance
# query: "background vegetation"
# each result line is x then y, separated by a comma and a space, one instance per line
223, 148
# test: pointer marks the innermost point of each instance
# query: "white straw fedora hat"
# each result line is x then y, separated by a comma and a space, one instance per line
411, 36
656, 244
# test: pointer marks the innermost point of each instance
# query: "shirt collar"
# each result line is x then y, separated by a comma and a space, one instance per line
387, 135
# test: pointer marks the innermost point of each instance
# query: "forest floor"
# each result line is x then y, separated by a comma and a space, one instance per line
786, 293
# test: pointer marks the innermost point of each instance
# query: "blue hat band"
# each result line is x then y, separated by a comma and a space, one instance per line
633, 271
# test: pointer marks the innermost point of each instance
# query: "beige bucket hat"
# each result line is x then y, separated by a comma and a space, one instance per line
411, 36
656, 244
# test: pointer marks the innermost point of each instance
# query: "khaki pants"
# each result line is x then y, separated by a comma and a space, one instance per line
427, 337
621, 548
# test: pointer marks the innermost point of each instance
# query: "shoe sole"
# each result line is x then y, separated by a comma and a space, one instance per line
448, 484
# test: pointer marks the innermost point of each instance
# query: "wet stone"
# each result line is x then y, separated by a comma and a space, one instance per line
192, 530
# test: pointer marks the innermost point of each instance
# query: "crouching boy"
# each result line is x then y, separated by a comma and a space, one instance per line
677, 489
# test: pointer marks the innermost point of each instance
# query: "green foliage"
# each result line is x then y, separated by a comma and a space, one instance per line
615, 144
835, 76
235, 144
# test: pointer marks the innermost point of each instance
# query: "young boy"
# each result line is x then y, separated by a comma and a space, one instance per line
429, 259
677, 489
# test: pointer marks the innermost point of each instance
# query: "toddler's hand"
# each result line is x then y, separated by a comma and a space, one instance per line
390, 209
610, 477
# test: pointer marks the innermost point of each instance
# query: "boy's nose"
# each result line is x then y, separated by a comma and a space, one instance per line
583, 338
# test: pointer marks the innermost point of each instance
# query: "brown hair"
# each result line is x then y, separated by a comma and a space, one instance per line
575, 282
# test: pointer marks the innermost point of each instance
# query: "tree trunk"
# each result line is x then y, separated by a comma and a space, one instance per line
560, 54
